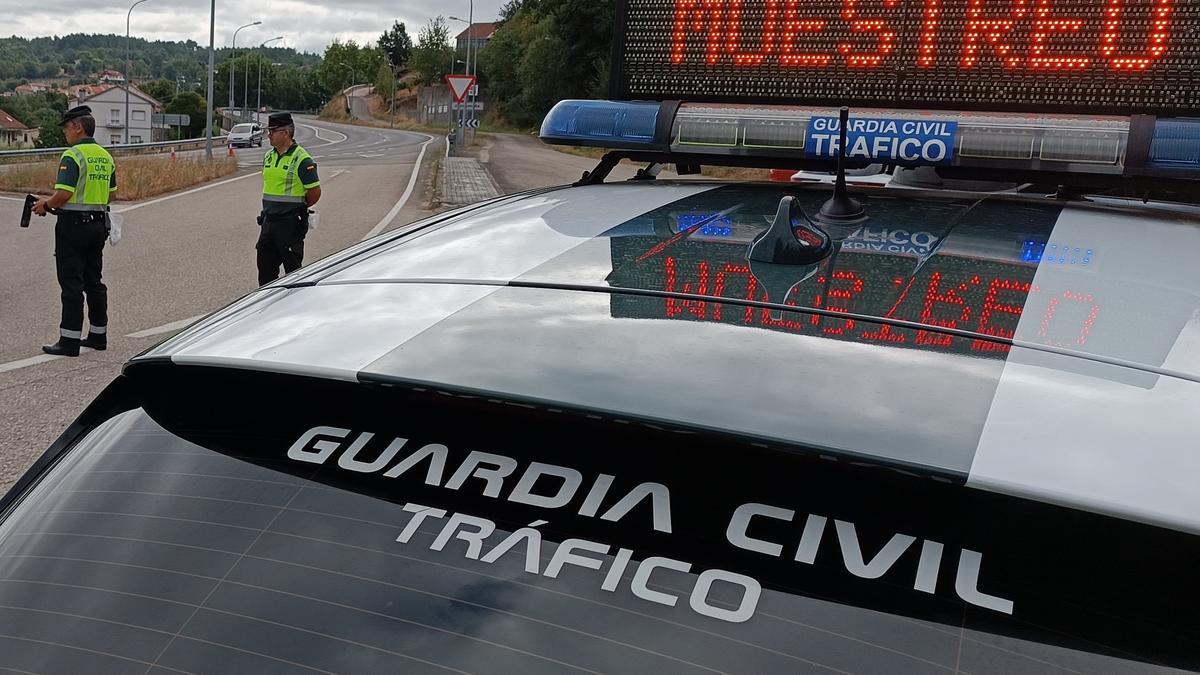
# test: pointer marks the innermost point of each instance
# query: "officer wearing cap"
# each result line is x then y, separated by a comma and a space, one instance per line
86, 179
290, 187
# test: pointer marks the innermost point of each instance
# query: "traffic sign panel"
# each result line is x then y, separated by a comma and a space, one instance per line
469, 105
473, 123
459, 85
172, 120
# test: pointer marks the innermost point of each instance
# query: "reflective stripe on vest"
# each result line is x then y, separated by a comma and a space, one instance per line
92, 189
281, 176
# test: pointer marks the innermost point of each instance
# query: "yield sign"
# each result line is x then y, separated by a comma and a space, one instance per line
460, 85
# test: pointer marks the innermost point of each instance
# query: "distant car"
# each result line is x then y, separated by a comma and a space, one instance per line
246, 135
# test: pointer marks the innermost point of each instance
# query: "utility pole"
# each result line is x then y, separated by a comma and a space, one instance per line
208, 111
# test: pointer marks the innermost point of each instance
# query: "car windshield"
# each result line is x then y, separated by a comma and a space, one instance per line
367, 530
243, 128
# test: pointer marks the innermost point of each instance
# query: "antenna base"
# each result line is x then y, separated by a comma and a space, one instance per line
841, 209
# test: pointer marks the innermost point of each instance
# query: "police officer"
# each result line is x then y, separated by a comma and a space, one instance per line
290, 187
86, 178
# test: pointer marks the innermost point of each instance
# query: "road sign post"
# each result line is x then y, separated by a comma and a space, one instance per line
459, 86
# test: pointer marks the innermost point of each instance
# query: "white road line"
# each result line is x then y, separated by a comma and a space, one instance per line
318, 130
14, 199
412, 182
185, 193
167, 327
31, 361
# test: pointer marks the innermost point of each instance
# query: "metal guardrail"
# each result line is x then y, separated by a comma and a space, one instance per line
14, 156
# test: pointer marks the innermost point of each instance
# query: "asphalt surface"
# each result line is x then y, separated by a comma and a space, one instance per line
182, 256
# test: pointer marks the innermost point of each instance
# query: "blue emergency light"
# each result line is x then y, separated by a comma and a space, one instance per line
604, 124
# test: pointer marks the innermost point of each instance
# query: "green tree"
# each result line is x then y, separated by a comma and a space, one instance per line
163, 90
545, 51
50, 135
432, 54
193, 105
385, 81
396, 45
346, 63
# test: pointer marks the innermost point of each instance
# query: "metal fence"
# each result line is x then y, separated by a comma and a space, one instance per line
22, 156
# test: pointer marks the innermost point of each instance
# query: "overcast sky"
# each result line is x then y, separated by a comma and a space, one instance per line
307, 25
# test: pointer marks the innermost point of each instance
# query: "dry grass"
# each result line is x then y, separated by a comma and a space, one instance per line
335, 110
735, 173
138, 177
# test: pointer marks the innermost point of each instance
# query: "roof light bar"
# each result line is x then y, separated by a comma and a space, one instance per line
913, 138
975, 143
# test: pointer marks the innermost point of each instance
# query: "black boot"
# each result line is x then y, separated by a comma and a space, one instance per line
64, 347
99, 341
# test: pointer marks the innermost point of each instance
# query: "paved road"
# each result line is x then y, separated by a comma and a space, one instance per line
182, 256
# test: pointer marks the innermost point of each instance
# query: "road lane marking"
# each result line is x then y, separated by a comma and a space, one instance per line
412, 182
15, 199
184, 194
31, 361
318, 130
167, 327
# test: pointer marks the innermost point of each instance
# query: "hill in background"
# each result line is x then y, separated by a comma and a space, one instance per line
73, 59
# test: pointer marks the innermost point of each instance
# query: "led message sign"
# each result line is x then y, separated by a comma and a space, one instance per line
1094, 56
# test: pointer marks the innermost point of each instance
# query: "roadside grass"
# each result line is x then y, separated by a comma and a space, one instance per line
137, 177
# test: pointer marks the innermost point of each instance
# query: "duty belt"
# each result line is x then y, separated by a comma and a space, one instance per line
83, 207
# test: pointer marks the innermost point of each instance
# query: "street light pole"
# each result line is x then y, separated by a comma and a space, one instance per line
128, 66
462, 112
233, 55
472, 66
208, 110
258, 106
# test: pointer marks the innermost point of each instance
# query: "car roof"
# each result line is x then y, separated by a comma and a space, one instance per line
970, 353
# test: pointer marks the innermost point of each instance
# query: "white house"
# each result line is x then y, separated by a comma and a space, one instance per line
13, 134
108, 107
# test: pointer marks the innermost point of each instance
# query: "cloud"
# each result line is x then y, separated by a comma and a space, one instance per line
306, 26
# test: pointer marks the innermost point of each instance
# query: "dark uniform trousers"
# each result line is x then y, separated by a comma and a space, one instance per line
281, 242
79, 258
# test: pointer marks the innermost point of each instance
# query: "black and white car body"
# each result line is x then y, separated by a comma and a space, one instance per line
548, 433
687, 426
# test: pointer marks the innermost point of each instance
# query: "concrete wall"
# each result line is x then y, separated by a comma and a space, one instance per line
433, 105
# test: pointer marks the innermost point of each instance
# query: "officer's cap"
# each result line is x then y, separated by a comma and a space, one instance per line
277, 120
75, 113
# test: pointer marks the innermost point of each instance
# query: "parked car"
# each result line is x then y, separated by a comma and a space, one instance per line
247, 135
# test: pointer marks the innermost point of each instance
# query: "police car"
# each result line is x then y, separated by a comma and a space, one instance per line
689, 425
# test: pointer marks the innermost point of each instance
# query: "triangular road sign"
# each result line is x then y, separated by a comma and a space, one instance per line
460, 85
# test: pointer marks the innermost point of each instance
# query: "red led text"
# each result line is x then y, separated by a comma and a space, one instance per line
1034, 35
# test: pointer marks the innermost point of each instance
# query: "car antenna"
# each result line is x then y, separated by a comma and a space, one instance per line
841, 209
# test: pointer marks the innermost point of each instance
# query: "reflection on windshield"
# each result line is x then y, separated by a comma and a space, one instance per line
943, 263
